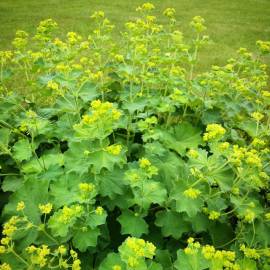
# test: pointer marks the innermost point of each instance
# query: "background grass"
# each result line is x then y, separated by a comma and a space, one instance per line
231, 23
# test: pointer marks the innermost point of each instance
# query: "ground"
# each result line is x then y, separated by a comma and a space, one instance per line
231, 24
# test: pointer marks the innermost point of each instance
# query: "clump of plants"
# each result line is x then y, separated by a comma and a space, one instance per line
118, 155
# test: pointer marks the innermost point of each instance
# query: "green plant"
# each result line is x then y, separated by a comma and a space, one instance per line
135, 162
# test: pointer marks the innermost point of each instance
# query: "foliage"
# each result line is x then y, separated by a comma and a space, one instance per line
135, 162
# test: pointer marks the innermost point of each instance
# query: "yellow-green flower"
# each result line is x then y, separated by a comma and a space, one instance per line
20, 206
45, 208
192, 193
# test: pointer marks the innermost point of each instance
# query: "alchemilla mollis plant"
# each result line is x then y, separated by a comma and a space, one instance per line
116, 154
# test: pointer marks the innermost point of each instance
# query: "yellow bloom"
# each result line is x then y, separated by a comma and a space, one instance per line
45, 208
257, 116
169, 12
5, 266
189, 251
250, 252
116, 114
208, 252
53, 85
146, 7
119, 58
192, 193
2, 249
224, 146
98, 14
190, 240
116, 267
213, 215
193, 153
114, 149
31, 249
5, 241
266, 93
249, 216
213, 131
99, 211
132, 262
20, 206
144, 163
86, 187
62, 250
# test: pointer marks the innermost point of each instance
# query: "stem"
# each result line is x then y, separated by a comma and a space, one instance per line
19, 257
194, 58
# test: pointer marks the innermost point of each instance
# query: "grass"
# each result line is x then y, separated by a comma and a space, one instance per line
231, 23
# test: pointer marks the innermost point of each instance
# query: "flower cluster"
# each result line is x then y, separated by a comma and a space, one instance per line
135, 250
213, 132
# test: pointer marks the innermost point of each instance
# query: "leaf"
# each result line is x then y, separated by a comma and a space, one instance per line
190, 262
74, 158
65, 191
171, 223
11, 183
248, 264
88, 91
4, 136
93, 219
111, 183
47, 160
154, 266
153, 192
111, 260
136, 105
185, 204
164, 258
85, 237
221, 233
32, 193
59, 228
181, 137
132, 223
199, 222
103, 159
22, 150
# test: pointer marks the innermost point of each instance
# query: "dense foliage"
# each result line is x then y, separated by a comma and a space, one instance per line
122, 156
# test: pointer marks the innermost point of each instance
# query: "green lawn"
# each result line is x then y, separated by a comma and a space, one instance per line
231, 23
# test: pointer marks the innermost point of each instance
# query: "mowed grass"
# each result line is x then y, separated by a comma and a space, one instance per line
231, 23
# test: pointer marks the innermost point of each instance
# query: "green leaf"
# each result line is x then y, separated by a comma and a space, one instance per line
103, 159
4, 136
22, 150
247, 264
112, 259
153, 192
59, 227
154, 266
171, 223
136, 105
43, 163
132, 223
65, 191
11, 183
185, 204
111, 183
88, 91
221, 233
93, 219
164, 258
190, 262
199, 222
85, 237
32, 193
181, 137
